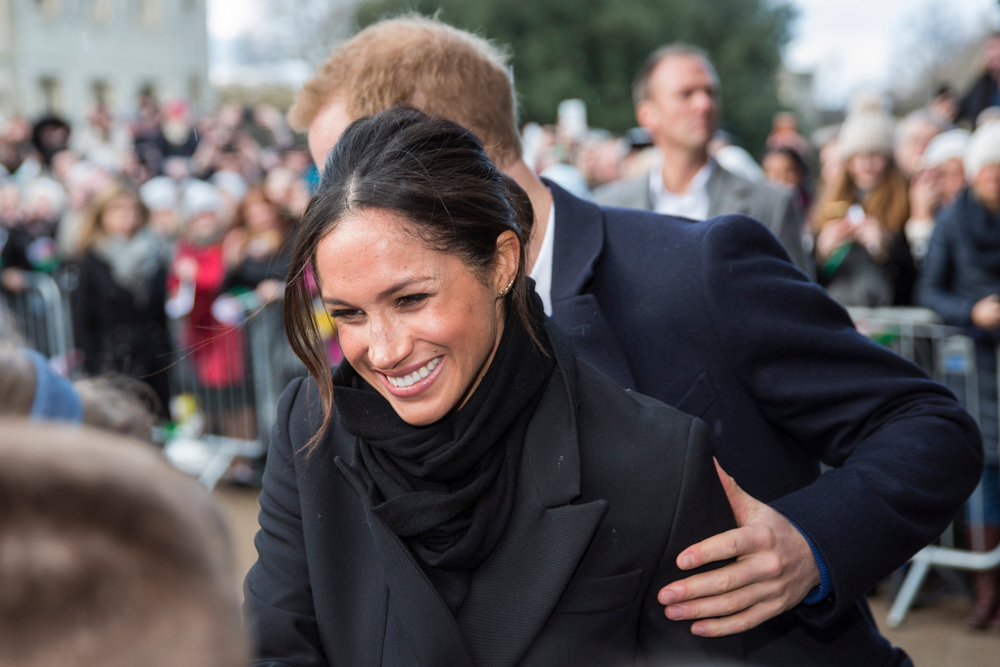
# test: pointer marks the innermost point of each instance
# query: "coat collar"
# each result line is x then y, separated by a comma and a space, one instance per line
579, 240
514, 591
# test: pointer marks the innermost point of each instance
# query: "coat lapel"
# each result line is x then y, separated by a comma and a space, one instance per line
726, 193
432, 634
514, 592
579, 242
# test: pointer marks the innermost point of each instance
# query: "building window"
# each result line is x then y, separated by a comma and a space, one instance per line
50, 94
49, 8
150, 13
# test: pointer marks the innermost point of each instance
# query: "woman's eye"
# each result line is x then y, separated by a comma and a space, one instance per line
411, 299
346, 315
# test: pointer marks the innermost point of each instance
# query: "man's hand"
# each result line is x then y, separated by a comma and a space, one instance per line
773, 572
986, 313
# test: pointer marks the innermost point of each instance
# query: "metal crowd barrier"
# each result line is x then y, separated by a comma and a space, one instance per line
225, 389
42, 316
948, 354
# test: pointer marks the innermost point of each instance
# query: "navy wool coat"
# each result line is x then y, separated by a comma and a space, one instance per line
713, 319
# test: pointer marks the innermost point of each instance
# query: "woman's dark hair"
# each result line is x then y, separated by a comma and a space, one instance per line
432, 172
800, 164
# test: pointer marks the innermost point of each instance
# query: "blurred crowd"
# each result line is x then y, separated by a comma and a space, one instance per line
163, 229
162, 216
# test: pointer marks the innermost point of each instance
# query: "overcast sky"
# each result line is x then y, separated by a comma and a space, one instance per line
848, 43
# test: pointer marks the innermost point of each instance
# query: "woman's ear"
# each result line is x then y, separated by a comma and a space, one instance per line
508, 259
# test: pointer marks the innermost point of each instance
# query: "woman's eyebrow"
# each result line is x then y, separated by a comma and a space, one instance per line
384, 294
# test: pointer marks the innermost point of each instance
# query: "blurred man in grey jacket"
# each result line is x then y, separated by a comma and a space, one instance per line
677, 102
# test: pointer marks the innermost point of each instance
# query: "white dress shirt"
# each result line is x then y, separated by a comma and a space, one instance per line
692, 204
541, 272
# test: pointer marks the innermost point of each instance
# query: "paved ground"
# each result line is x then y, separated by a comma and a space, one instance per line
932, 635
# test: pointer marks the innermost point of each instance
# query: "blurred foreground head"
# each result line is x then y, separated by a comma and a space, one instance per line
108, 556
417, 61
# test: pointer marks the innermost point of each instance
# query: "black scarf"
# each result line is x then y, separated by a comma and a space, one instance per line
979, 230
447, 488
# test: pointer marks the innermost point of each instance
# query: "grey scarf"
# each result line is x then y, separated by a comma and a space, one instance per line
134, 262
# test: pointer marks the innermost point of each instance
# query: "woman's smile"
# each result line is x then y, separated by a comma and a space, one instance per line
409, 384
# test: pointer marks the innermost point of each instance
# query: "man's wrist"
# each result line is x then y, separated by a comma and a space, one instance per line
825, 589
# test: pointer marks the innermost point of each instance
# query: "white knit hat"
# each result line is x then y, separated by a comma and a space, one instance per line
945, 146
201, 197
868, 127
983, 149
159, 194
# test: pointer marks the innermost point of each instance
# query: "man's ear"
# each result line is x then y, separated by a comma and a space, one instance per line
647, 115
508, 260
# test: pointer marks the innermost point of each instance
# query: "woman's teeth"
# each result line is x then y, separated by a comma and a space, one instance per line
416, 375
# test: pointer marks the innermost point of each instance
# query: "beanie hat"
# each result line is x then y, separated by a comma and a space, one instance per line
159, 193
983, 149
945, 146
231, 183
201, 197
868, 127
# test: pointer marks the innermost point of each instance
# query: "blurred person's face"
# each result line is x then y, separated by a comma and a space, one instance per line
260, 215
298, 198
945, 107
230, 115
297, 161
326, 129
10, 203
204, 226
416, 323
867, 170
992, 53
278, 184
122, 217
987, 187
62, 162
951, 179
176, 168
682, 108
781, 168
163, 222
912, 145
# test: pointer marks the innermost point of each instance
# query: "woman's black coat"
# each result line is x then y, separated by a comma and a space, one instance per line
612, 487
114, 333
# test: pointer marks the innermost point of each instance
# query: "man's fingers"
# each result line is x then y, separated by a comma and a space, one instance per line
723, 605
729, 544
741, 622
707, 584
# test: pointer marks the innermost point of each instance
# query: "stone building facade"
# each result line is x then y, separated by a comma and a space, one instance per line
64, 56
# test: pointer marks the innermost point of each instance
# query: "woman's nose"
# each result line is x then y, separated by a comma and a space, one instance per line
388, 346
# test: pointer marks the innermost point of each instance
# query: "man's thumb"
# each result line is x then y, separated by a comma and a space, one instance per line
741, 502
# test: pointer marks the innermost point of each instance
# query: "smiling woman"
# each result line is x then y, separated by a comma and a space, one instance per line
461, 490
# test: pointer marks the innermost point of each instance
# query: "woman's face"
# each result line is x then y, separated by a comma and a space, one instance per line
987, 186
416, 323
867, 169
122, 217
780, 168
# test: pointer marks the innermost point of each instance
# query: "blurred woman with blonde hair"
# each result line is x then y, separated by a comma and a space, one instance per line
118, 305
862, 255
